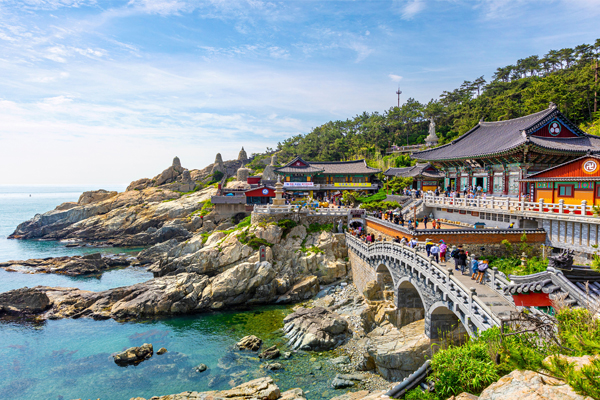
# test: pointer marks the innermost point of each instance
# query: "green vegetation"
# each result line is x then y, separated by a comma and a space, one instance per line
245, 222
565, 77
215, 178
381, 205
512, 265
207, 207
379, 196
287, 225
251, 240
311, 249
315, 227
198, 186
480, 362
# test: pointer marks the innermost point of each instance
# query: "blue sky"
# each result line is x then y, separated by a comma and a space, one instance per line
105, 92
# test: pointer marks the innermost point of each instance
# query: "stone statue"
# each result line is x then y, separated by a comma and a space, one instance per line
340, 227
218, 159
176, 163
432, 139
242, 156
562, 261
274, 159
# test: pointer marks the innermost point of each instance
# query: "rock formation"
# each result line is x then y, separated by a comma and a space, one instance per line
250, 342
24, 302
259, 389
315, 329
72, 266
242, 156
134, 355
95, 196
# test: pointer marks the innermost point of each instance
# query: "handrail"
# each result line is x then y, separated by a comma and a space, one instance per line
511, 205
478, 310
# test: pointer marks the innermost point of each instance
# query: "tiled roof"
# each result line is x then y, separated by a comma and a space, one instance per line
414, 171
488, 138
345, 167
579, 144
328, 167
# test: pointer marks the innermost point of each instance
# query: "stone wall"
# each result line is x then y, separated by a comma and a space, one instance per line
362, 273
229, 210
300, 218
471, 240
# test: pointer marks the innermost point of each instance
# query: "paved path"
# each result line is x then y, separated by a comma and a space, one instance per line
494, 300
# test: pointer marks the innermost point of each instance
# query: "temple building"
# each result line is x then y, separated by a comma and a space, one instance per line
497, 156
425, 176
319, 178
572, 182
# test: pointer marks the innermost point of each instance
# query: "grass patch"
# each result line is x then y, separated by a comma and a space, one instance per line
167, 200
287, 225
206, 208
245, 222
315, 227
312, 249
251, 240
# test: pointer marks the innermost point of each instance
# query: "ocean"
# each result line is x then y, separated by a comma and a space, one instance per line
70, 359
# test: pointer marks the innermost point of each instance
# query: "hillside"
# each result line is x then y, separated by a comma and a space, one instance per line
567, 77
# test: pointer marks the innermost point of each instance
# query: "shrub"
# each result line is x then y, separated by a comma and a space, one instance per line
315, 227
245, 222
287, 225
256, 242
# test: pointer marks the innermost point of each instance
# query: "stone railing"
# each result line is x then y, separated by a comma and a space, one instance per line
442, 278
511, 205
271, 209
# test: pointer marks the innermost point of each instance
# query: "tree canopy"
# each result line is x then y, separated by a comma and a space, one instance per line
567, 77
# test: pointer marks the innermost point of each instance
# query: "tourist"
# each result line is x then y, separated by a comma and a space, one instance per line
403, 241
413, 243
461, 260
435, 252
474, 267
443, 248
397, 239
428, 245
425, 219
482, 267
454, 256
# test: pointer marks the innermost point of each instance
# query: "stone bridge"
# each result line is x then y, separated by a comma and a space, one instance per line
420, 283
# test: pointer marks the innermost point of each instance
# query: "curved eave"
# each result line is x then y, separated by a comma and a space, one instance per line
470, 157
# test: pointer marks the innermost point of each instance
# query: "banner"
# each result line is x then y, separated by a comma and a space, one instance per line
298, 184
366, 184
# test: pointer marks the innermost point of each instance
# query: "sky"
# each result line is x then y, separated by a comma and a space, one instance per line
105, 92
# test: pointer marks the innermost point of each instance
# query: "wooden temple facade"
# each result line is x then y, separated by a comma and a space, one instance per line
498, 156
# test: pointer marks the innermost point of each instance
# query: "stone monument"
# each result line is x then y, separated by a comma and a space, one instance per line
432, 139
279, 200
242, 156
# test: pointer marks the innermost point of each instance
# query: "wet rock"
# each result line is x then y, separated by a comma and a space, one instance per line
339, 383
341, 360
315, 329
134, 355
23, 302
274, 366
201, 368
303, 290
250, 342
270, 353
161, 351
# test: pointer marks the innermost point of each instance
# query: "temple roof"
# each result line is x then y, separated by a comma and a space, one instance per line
423, 169
489, 138
299, 166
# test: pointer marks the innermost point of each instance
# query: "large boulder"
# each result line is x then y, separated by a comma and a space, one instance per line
259, 389
23, 302
315, 329
529, 385
134, 355
303, 290
250, 342
398, 352
95, 196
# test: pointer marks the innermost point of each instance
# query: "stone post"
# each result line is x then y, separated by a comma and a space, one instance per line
583, 208
493, 274
561, 206
523, 259
478, 202
473, 293
541, 201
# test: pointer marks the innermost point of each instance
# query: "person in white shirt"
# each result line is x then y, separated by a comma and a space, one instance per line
435, 252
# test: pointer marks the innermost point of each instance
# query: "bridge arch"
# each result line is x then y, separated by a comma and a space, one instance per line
440, 320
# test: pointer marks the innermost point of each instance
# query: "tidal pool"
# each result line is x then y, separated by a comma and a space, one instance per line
68, 359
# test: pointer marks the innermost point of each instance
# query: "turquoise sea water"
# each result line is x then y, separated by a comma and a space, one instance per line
70, 359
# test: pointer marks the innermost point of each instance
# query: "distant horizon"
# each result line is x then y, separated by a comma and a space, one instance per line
92, 90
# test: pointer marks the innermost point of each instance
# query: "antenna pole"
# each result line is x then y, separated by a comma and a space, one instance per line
398, 92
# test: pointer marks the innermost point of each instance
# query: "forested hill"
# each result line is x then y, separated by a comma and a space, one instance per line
566, 77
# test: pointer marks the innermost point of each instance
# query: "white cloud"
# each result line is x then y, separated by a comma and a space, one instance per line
395, 78
411, 8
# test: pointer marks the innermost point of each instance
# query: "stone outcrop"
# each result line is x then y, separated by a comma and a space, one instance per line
134, 355
118, 219
396, 353
23, 302
315, 329
242, 156
259, 389
250, 342
529, 385
72, 266
95, 196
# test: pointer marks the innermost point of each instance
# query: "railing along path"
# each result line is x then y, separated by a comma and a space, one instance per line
442, 279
